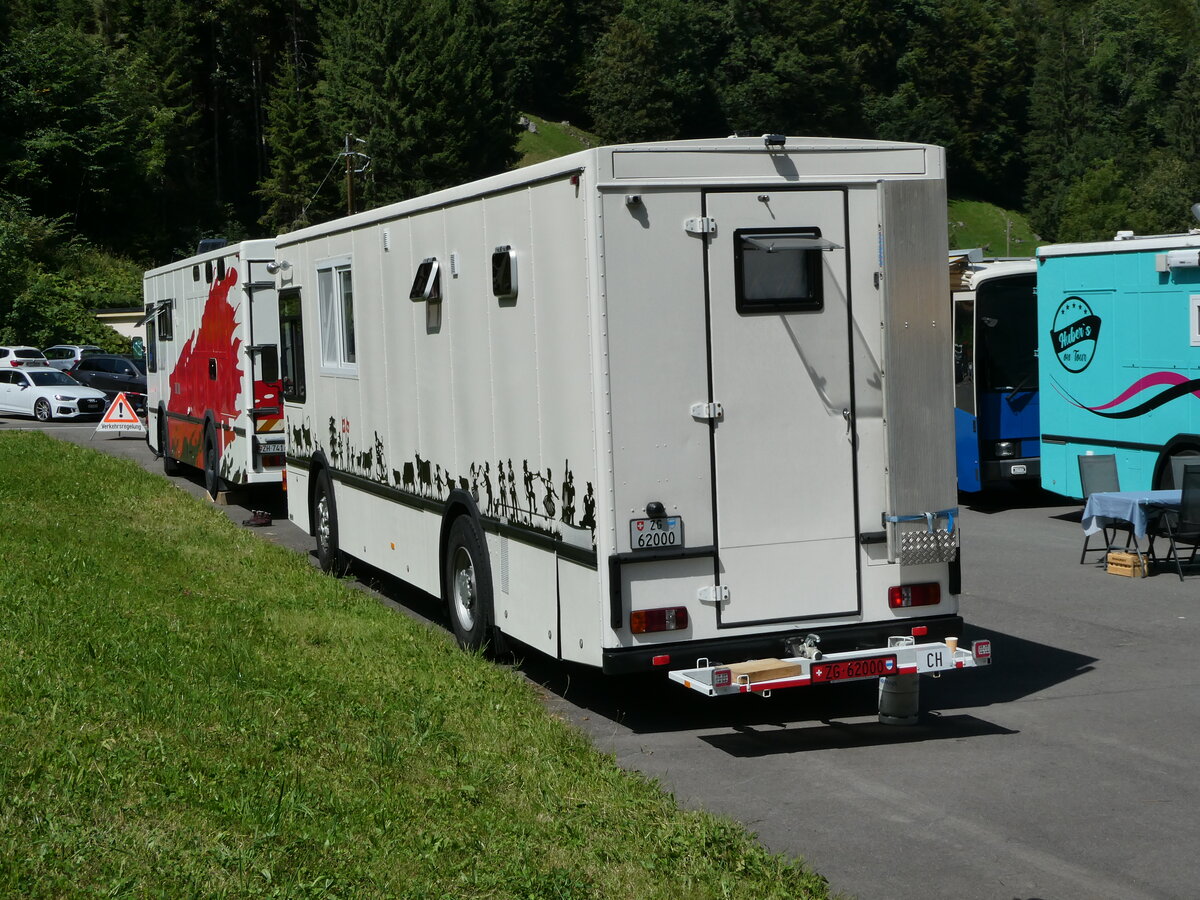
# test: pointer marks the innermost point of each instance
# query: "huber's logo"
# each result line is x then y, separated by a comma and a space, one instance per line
1074, 333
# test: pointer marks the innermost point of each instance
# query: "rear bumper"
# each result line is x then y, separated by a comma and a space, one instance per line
999, 471
625, 660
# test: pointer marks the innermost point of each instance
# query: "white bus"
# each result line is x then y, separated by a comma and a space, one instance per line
643, 405
212, 365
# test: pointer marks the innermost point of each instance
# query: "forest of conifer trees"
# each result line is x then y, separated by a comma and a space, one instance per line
135, 127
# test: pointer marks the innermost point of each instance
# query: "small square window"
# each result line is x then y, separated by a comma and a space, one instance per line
427, 285
504, 273
779, 270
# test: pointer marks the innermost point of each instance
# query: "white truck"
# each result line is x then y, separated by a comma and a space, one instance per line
212, 365
645, 407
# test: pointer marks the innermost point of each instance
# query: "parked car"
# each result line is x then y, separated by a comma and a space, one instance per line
114, 374
64, 356
21, 356
46, 393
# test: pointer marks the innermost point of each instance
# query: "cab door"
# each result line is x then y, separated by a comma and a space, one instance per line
783, 444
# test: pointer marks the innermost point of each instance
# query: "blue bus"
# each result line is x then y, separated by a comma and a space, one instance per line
1119, 326
995, 370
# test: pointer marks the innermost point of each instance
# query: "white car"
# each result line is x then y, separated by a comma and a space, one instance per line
46, 393
21, 356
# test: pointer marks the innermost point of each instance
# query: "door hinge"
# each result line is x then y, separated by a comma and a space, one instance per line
716, 593
707, 411
700, 225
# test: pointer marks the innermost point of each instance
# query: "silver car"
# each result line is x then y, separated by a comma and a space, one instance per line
63, 356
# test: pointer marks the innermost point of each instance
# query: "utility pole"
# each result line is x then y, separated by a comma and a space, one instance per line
353, 157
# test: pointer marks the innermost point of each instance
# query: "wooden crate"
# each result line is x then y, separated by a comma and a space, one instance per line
764, 669
1127, 564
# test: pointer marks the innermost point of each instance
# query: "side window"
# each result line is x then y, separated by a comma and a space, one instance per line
166, 320
291, 346
151, 340
335, 296
504, 273
427, 283
779, 270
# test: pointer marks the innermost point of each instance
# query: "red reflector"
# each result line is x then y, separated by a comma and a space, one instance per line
907, 595
920, 631
644, 621
663, 660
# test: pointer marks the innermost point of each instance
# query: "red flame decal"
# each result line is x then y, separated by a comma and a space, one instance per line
212, 349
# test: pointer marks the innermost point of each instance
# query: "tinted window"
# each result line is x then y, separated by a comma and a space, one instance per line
139, 366
48, 379
291, 346
779, 270
1007, 334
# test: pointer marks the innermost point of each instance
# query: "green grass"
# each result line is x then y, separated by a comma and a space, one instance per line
999, 232
189, 711
552, 140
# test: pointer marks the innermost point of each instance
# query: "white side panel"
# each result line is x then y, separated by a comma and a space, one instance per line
581, 612
918, 347
658, 362
564, 385
527, 610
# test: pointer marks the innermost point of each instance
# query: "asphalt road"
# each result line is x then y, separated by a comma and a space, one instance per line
1066, 770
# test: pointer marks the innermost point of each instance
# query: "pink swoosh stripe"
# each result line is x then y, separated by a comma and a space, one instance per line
1142, 383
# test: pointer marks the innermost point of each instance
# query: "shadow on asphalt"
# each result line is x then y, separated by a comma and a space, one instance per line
835, 734
1017, 497
651, 704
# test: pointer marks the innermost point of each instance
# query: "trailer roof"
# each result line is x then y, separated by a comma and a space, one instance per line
262, 248
1125, 242
664, 163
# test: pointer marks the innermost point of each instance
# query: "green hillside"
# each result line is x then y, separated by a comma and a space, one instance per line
1000, 232
551, 140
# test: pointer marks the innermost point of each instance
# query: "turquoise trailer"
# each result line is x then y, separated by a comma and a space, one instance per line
1119, 357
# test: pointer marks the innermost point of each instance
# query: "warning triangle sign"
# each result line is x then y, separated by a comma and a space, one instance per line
121, 417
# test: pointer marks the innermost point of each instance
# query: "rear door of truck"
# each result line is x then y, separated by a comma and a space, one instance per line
783, 443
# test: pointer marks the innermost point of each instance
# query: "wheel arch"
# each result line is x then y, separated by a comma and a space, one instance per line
1180, 445
459, 503
317, 464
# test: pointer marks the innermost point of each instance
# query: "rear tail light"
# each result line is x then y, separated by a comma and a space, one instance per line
904, 596
643, 621
722, 678
982, 649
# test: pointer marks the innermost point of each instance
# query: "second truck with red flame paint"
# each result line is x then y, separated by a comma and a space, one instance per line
212, 354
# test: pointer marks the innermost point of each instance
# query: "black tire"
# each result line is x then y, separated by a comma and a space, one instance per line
42, 410
325, 527
213, 483
170, 465
467, 585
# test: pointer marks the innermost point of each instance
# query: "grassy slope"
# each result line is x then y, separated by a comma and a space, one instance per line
552, 140
1000, 232
186, 710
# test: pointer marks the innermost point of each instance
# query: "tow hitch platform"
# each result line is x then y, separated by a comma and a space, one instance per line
897, 665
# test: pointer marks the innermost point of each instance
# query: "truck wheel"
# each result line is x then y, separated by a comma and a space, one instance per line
170, 465
467, 586
213, 483
42, 411
329, 554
